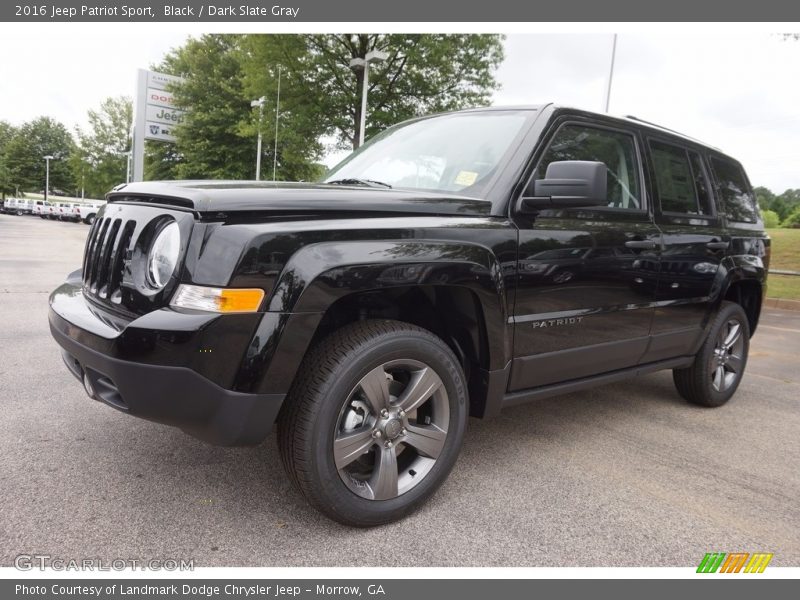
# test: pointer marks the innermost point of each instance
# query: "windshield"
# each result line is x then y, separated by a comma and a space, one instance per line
459, 152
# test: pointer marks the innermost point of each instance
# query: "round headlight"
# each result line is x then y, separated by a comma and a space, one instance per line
163, 256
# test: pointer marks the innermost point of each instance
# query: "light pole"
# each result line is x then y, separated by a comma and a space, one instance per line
611, 71
47, 160
277, 114
363, 63
260, 104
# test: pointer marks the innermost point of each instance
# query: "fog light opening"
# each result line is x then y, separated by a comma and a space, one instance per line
87, 385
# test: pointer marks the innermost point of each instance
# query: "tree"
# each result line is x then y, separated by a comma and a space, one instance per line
786, 203
764, 196
771, 219
25, 152
99, 161
210, 144
793, 220
319, 96
423, 73
6, 135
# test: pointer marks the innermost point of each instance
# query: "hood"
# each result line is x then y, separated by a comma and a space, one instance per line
235, 196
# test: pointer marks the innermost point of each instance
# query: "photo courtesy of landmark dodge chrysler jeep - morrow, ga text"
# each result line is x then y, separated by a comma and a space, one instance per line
453, 266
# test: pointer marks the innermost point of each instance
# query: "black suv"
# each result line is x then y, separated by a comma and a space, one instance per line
453, 266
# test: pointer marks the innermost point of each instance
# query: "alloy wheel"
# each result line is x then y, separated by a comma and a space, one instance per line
391, 430
727, 358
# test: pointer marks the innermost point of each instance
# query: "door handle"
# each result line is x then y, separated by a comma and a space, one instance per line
641, 244
717, 245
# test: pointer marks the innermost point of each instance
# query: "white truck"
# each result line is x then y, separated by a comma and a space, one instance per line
86, 212
42, 209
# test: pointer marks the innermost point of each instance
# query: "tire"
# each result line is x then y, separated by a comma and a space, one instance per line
354, 464
90, 219
720, 364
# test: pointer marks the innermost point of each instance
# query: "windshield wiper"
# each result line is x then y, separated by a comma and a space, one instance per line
355, 181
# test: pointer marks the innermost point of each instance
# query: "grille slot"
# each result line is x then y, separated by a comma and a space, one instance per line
104, 261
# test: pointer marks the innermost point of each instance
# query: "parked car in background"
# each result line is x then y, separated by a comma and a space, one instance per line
86, 212
13, 206
35, 207
41, 209
65, 211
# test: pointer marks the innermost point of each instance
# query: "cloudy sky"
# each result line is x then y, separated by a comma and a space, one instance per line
739, 92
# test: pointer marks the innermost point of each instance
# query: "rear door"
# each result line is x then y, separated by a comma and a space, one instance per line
581, 308
694, 245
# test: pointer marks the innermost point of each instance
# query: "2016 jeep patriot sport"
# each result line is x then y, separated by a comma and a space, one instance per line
453, 266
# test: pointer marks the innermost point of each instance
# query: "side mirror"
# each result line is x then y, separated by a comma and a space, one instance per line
568, 184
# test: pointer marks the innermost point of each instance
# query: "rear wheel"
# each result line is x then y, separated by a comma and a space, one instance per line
374, 423
721, 361
90, 219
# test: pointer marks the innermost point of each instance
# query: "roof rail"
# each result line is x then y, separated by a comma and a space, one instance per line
661, 127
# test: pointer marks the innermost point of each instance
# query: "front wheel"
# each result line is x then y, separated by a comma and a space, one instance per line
719, 365
374, 422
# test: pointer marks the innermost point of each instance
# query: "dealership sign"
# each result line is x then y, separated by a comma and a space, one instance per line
155, 114
159, 106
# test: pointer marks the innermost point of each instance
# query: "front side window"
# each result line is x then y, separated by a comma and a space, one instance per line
681, 185
615, 149
740, 205
459, 153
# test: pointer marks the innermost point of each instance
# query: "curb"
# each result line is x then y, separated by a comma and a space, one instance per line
782, 304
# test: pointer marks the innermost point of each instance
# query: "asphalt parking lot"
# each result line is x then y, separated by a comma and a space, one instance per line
622, 475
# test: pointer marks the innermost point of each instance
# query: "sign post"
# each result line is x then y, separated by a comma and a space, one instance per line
154, 114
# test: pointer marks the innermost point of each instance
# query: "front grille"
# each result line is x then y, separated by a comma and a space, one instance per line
104, 261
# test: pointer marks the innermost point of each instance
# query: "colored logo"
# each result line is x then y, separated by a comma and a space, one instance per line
734, 562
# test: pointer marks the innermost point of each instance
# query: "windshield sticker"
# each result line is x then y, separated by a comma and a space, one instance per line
466, 178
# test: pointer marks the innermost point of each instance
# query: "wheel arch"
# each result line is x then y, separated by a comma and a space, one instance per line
453, 289
744, 284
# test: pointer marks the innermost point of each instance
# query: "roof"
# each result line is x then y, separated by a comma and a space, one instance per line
630, 119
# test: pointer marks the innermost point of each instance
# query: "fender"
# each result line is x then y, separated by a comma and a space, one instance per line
737, 268
733, 269
319, 274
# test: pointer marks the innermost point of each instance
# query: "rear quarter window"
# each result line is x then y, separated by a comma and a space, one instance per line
738, 200
681, 185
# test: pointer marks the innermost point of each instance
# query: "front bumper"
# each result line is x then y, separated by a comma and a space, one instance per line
97, 351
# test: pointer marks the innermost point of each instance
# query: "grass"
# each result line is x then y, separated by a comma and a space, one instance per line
786, 287
785, 249
785, 255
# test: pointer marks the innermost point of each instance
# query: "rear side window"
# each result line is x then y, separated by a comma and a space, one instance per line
740, 204
616, 149
681, 184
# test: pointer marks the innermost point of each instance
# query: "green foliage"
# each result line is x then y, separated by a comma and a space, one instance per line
99, 161
424, 73
771, 219
6, 134
764, 196
209, 141
319, 96
782, 204
24, 156
793, 219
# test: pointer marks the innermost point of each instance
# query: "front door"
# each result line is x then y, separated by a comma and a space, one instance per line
582, 305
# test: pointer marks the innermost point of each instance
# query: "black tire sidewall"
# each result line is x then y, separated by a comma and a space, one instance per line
403, 345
